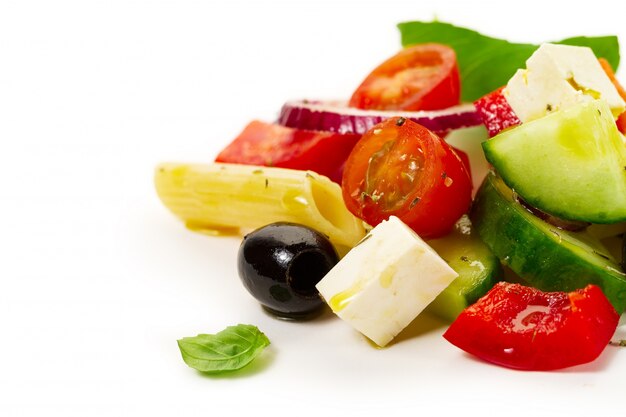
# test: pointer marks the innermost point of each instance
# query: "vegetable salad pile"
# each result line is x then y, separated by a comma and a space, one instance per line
363, 207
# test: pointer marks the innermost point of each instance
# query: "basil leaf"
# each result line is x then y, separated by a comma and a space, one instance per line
229, 350
486, 63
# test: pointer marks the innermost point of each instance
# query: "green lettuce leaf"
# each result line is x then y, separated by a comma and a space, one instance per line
229, 350
487, 63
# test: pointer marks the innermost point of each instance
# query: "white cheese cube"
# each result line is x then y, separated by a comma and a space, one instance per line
384, 282
557, 77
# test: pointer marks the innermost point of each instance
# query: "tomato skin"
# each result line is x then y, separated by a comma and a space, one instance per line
274, 145
524, 328
465, 159
421, 180
420, 77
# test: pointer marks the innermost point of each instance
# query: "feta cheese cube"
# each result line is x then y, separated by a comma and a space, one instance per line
557, 77
384, 282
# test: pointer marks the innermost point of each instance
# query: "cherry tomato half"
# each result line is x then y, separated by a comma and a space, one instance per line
400, 168
273, 145
524, 328
420, 77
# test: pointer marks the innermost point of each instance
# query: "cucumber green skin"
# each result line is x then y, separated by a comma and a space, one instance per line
570, 163
546, 257
462, 252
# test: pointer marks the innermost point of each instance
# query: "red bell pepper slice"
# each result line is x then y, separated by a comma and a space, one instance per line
524, 328
273, 145
496, 112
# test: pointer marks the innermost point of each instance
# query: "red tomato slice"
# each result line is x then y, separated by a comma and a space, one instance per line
421, 77
524, 328
273, 145
400, 168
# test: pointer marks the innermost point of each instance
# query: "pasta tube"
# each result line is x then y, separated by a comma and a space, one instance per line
226, 196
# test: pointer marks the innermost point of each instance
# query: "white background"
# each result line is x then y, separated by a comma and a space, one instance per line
98, 280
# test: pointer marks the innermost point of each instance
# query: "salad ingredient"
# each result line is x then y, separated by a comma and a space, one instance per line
402, 169
547, 258
421, 77
383, 283
621, 120
477, 266
495, 112
219, 197
558, 77
274, 145
334, 116
601, 231
280, 264
570, 225
569, 164
229, 350
624, 252
464, 158
487, 63
523, 328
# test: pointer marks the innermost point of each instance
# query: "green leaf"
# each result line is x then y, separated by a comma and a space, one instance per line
486, 63
229, 350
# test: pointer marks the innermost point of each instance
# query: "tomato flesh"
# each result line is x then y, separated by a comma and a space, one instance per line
524, 328
421, 77
274, 145
400, 168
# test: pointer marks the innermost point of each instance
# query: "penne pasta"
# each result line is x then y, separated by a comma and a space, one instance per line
218, 197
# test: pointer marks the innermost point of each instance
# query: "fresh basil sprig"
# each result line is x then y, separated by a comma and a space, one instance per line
229, 350
487, 63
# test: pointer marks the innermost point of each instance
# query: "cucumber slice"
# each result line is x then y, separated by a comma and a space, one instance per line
571, 163
546, 257
478, 268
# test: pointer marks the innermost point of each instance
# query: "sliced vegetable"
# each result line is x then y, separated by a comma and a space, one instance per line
229, 350
523, 328
601, 231
621, 120
274, 145
334, 116
624, 252
487, 63
477, 266
464, 158
569, 164
402, 169
280, 264
422, 77
495, 112
546, 257
219, 197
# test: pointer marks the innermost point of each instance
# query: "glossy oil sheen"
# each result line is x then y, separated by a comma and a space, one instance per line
280, 264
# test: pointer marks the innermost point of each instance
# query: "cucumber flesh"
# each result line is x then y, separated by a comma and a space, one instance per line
548, 258
570, 164
478, 268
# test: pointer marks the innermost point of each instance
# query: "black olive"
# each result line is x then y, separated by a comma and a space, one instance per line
281, 263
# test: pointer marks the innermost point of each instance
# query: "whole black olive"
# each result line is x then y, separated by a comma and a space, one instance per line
281, 263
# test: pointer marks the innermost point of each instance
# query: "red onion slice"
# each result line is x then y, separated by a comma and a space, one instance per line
335, 116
